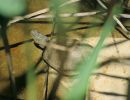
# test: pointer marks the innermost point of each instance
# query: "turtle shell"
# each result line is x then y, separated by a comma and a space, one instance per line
66, 60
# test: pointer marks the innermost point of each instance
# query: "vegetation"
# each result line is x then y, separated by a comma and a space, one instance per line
64, 16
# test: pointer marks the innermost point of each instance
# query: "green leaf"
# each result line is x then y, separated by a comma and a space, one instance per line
78, 90
10, 8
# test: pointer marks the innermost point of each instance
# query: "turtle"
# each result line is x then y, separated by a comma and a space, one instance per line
63, 60
75, 51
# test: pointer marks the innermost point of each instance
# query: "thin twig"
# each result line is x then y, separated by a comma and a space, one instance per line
17, 44
28, 16
102, 4
125, 15
83, 14
8, 57
124, 34
119, 23
37, 13
69, 2
47, 78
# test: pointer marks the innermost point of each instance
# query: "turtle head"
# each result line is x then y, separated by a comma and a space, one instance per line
40, 40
